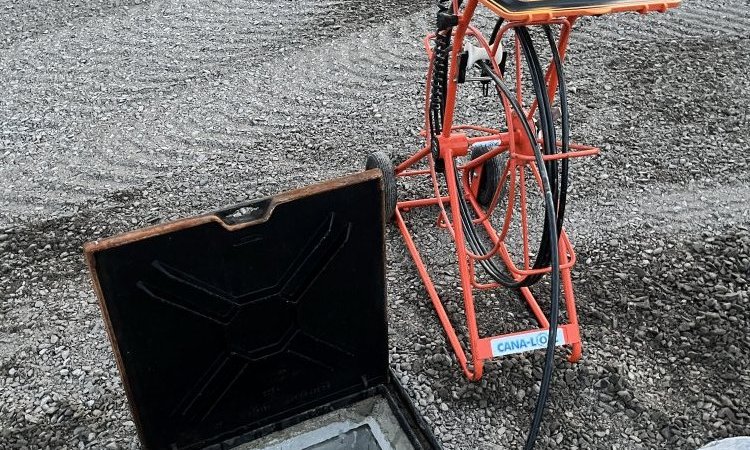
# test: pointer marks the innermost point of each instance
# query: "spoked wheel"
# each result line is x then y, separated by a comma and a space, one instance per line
379, 160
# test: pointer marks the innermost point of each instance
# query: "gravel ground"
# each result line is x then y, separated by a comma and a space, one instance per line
117, 114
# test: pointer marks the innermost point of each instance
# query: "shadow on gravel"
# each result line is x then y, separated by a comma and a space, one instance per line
681, 306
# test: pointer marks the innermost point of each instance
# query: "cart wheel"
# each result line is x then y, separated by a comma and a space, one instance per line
490, 177
379, 160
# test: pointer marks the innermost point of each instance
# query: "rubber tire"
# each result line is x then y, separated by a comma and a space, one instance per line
379, 160
491, 171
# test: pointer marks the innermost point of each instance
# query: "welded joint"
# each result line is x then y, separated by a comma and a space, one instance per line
457, 144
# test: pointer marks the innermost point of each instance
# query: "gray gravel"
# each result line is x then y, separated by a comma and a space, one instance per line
117, 114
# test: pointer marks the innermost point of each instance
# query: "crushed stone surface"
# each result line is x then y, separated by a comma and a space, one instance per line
119, 114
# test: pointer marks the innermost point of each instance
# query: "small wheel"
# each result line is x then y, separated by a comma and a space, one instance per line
379, 160
490, 177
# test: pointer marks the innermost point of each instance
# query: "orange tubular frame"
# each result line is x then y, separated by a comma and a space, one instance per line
455, 141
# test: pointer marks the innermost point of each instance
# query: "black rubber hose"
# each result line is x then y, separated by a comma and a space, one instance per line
472, 239
549, 357
548, 137
548, 132
548, 254
550, 232
565, 125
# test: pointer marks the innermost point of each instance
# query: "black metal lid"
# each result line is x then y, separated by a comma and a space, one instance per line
228, 322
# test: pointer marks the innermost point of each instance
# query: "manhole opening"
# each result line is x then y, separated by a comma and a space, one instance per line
367, 425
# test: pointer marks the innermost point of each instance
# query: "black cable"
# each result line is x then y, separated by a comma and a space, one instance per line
554, 199
496, 30
548, 131
473, 240
565, 125
548, 138
544, 109
551, 206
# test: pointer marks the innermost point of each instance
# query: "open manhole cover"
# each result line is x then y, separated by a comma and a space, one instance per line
266, 317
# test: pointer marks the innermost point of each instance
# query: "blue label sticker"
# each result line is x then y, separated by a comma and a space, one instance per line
533, 340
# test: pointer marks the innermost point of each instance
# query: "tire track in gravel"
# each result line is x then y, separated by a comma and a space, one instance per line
73, 96
692, 20
170, 54
248, 123
696, 110
156, 63
366, 63
24, 20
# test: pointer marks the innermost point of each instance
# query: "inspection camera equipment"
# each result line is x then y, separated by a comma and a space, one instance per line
487, 178
261, 326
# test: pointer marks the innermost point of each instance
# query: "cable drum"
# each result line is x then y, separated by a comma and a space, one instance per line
506, 179
554, 187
